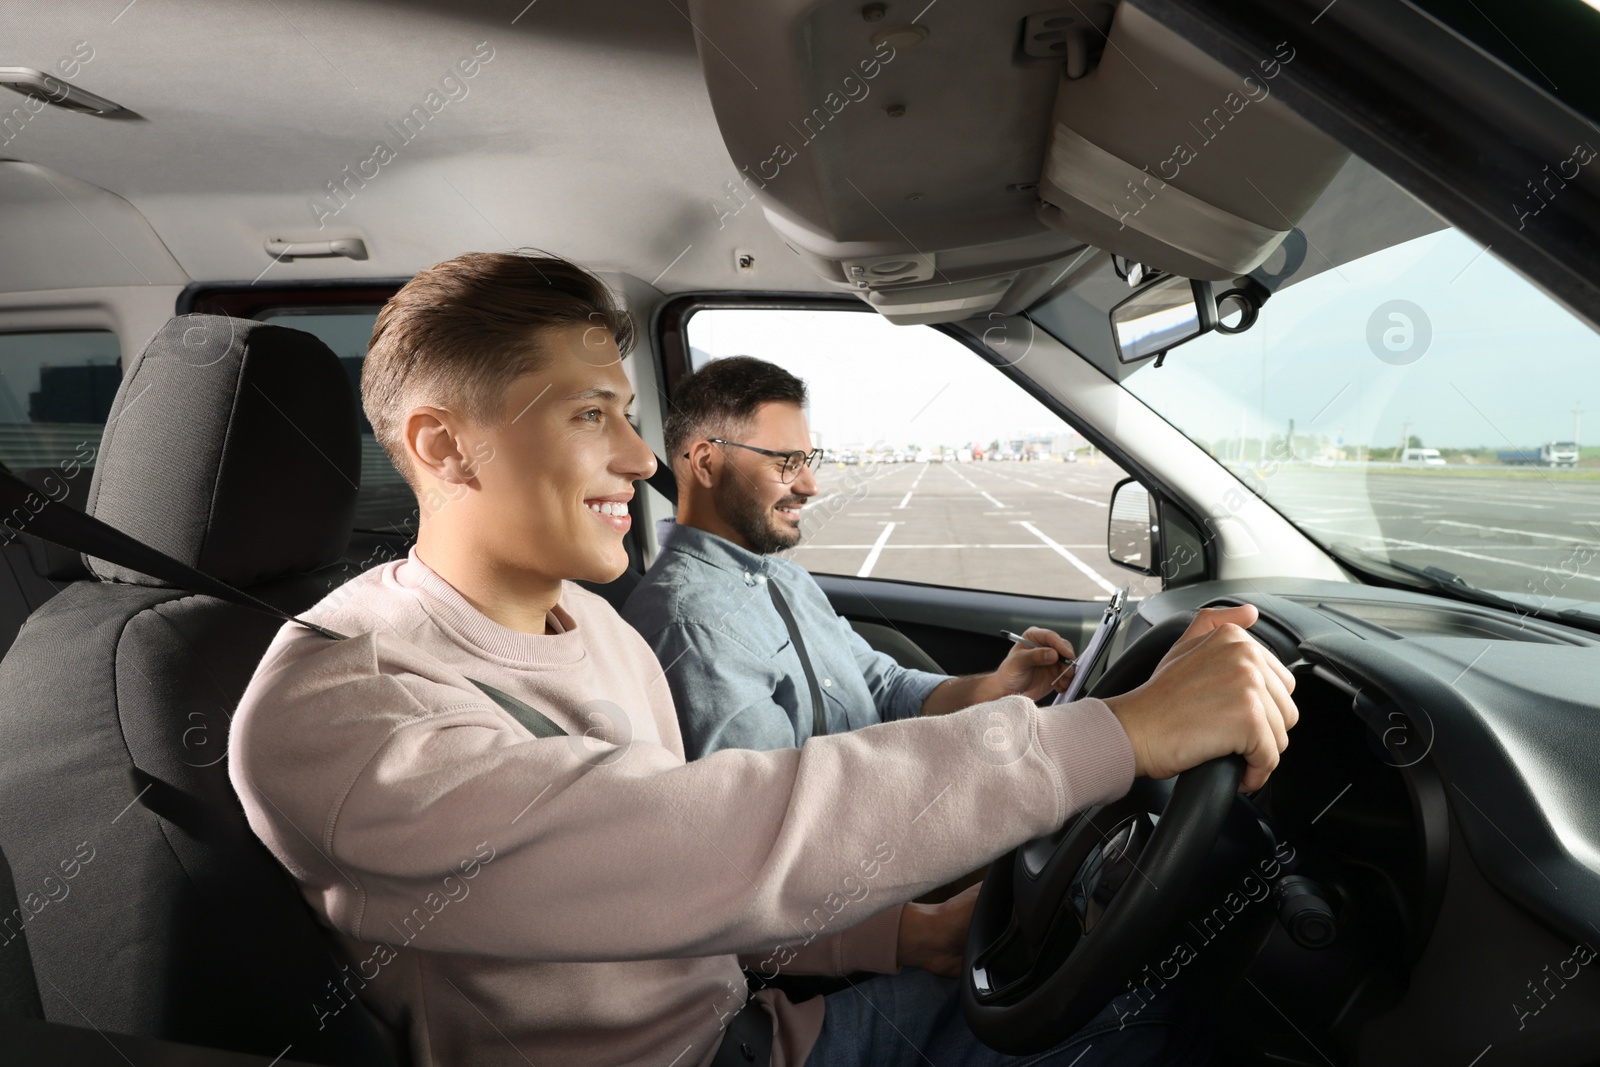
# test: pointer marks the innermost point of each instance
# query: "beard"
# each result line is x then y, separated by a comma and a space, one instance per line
756, 522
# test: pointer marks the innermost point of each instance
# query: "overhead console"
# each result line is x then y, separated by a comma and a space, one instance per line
948, 160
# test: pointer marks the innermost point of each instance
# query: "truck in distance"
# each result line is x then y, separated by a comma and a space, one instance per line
1553, 454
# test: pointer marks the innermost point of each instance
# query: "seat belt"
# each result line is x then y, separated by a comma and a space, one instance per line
80, 532
819, 718
663, 482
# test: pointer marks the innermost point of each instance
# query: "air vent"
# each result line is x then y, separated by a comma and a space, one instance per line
54, 91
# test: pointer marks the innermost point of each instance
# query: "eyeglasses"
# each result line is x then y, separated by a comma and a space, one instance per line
792, 461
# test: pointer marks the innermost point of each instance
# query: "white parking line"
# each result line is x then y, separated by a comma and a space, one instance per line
1085, 499
920, 473
1061, 551
1522, 533
814, 501
992, 500
1011, 477
877, 550
1397, 542
905, 499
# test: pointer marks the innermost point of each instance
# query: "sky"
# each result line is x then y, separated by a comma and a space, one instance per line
870, 380
1504, 368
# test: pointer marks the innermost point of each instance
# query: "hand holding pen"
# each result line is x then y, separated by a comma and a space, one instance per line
1042, 660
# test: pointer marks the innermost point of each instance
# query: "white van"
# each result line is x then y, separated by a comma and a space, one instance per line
1421, 457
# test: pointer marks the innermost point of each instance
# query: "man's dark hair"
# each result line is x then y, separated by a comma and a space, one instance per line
720, 399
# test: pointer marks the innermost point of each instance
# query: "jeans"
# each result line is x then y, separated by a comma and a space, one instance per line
914, 1019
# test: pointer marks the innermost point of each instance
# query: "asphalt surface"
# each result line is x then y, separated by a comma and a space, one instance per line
1535, 533
1040, 528
1037, 528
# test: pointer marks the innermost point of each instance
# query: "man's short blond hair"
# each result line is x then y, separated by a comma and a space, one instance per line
459, 333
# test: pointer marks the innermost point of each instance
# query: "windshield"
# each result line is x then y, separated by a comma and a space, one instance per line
1414, 408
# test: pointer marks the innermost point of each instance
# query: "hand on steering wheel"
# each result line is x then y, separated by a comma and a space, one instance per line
1217, 692
1062, 921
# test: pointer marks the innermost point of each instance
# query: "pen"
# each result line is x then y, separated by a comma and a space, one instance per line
1018, 639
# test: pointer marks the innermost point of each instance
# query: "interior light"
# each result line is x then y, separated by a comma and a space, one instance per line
52, 90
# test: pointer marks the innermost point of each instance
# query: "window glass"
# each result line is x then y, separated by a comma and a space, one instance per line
385, 503
1416, 409
939, 469
56, 390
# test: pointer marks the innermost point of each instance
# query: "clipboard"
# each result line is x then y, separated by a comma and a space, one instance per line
1095, 651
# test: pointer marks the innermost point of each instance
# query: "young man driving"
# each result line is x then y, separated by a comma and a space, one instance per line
505, 896
755, 655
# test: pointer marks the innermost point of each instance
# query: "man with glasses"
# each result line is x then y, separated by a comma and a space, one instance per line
755, 655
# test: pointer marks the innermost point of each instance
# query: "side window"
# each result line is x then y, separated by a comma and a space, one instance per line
938, 468
385, 504
55, 393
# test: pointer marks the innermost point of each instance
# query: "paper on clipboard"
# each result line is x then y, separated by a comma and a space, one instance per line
1090, 657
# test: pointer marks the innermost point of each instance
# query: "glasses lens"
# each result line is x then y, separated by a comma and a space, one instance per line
791, 466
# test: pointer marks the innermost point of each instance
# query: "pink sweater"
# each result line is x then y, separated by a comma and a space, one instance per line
504, 899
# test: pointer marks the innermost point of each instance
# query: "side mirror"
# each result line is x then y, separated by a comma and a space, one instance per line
1133, 530
1162, 315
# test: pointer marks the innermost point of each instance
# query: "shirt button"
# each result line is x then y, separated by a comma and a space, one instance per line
827, 681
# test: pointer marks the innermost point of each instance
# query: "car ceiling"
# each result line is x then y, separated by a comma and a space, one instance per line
589, 134
589, 131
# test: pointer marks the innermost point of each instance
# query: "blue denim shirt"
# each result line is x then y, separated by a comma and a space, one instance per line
735, 676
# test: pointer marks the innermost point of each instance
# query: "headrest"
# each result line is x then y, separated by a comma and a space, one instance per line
233, 446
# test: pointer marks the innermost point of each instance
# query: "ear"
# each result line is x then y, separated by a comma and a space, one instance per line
704, 464
436, 447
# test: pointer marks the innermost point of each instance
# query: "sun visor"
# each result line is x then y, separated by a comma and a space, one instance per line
1202, 175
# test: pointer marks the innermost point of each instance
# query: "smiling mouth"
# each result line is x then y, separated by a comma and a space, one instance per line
790, 510
614, 513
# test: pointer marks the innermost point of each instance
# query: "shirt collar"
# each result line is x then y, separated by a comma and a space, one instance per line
750, 567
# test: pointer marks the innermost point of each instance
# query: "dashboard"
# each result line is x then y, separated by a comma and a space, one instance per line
1442, 791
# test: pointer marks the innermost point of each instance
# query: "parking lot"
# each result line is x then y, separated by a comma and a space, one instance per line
1036, 528
1040, 528
1534, 532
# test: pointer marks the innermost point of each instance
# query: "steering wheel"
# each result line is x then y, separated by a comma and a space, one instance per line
1063, 920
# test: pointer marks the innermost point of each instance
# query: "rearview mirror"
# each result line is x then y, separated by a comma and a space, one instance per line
1162, 315
1132, 530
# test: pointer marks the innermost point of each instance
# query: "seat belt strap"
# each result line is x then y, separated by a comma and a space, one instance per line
819, 717
537, 722
80, 532
73, 529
